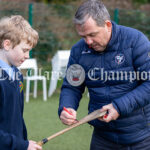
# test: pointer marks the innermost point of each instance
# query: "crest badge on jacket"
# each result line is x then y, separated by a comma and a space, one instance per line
119, 59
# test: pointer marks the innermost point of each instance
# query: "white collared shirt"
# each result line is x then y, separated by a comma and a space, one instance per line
8, 69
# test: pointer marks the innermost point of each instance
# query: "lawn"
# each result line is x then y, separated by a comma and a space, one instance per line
42, 121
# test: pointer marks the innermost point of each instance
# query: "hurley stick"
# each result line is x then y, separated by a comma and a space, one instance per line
94, 115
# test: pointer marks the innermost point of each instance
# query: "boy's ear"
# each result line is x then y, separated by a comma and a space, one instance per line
7, 44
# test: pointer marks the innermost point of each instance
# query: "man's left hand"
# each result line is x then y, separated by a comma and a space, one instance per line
112, 113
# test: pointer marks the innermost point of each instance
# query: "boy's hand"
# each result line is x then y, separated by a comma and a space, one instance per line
68, 118
33, 146
112, 113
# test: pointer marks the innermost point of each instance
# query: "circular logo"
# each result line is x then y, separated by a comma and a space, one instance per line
75, 75
119, 59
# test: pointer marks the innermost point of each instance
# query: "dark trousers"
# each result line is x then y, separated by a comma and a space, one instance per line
99, 143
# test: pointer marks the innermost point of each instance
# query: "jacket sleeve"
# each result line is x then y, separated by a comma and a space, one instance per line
70, 95
140, 96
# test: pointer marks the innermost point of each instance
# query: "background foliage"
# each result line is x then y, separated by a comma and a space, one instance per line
142, 1
55, 27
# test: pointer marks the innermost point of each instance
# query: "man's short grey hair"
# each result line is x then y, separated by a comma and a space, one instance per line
92, 8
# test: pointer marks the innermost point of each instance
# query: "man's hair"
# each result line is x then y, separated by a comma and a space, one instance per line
94, 9
16, 29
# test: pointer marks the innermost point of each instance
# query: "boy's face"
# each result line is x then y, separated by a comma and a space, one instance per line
17, 55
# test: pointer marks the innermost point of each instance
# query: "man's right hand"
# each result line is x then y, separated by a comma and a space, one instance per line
67, 118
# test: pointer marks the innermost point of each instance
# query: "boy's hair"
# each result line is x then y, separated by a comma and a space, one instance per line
16, 29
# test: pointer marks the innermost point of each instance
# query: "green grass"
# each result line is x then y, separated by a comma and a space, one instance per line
42, 120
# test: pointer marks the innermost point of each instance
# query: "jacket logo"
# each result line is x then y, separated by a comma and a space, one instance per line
86, 52
119, 59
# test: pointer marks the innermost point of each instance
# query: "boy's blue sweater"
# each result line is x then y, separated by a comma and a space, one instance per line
13, 134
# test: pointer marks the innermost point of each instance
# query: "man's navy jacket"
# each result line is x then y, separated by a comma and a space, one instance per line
122, 78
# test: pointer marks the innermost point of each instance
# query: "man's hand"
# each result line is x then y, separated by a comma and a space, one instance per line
67, 118
112, 113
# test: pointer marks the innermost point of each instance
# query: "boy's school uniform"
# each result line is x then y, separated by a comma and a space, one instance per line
13, 133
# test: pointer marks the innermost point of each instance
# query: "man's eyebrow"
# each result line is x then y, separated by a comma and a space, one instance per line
93, 32
90, 33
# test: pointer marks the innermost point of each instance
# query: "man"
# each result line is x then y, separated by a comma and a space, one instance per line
116, 62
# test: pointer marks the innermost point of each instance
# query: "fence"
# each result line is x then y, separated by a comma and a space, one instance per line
55, 27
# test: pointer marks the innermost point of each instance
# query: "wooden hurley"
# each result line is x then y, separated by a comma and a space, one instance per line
94, 115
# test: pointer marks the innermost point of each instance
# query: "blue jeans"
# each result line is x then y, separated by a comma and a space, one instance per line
99, 143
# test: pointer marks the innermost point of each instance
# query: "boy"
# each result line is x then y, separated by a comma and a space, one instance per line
16, 39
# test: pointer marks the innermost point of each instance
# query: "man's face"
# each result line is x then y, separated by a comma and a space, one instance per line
95, 36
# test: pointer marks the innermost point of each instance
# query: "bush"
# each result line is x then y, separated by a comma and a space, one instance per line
142, 1
46, 47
